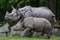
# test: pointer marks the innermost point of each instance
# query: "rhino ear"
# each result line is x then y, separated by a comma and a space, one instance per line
7, 13
13, 7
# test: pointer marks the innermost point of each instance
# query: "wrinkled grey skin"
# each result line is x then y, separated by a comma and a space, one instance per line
38, 25
28, 11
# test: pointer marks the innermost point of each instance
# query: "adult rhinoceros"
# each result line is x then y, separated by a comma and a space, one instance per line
28, 11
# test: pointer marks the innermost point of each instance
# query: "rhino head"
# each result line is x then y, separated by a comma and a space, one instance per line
18, 26
13, 16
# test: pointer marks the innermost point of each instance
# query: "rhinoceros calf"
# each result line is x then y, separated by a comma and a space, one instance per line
38, 25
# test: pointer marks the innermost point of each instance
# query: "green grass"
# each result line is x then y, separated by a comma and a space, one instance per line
26, 38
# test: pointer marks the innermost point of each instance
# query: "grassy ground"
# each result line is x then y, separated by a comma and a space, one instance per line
26, 38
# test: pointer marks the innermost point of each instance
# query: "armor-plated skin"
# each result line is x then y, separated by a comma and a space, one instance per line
38, 25
28, 11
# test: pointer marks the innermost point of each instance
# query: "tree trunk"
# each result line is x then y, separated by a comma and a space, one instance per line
52, 5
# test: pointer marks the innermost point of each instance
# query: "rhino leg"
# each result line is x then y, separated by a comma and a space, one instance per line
27, 32
48, 32
48, 35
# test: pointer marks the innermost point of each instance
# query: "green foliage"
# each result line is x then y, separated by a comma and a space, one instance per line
58, 9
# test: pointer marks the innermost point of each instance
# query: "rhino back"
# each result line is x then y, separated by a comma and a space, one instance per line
41, 12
